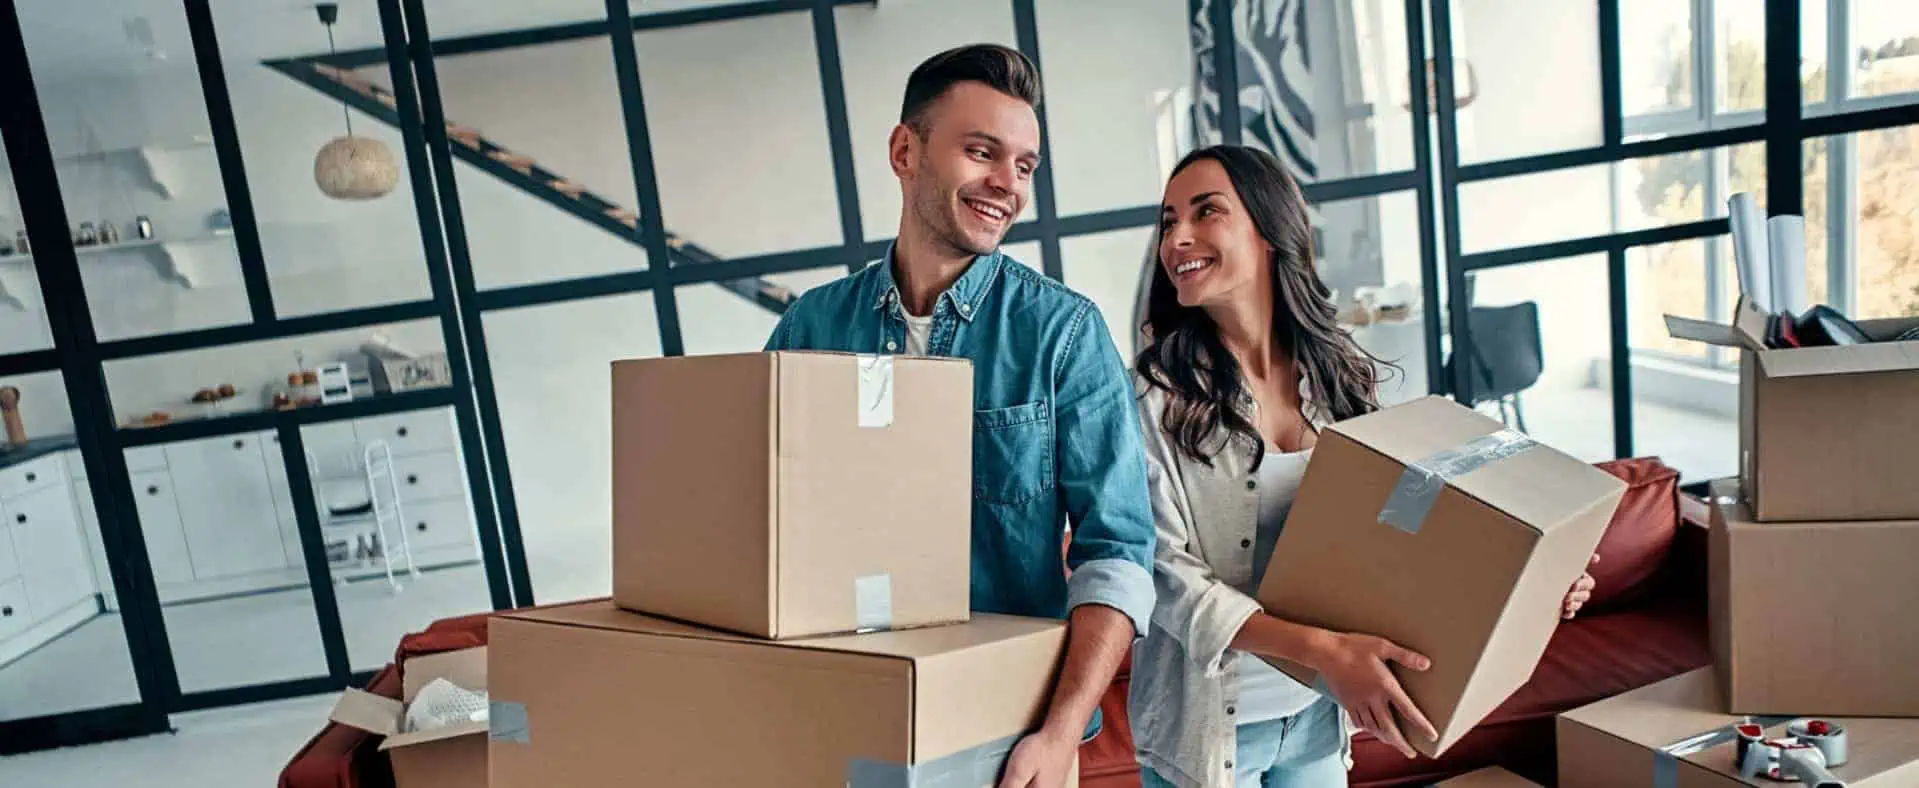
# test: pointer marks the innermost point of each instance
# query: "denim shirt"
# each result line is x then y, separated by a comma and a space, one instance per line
1056, 438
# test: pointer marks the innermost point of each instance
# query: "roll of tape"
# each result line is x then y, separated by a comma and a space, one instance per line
1665, 764
1828, 736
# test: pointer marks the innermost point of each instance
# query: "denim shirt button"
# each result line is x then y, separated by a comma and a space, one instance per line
892, 346
966, 309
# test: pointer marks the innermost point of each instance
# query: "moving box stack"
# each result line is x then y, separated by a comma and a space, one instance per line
1812, 586
791, 537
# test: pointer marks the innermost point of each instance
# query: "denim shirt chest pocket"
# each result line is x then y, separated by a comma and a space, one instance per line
1012, 453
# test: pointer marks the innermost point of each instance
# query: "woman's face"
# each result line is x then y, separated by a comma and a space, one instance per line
1208, 244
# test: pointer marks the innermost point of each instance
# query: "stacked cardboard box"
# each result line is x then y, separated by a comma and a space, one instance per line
1432, 526
791, 562
1810, 580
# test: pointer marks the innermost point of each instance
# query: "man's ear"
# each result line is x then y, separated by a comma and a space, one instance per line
902, 149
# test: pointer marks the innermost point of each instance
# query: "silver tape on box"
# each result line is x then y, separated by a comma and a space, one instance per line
507, 722
876, 391
974, 767
1419, 486
1665, 760
873, 602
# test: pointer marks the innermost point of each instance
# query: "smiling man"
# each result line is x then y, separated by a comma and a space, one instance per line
1055, 439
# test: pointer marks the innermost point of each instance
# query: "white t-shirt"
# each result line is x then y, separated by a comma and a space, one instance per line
1264, 692
919, 330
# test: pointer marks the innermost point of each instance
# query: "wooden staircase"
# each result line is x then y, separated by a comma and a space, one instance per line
525, 173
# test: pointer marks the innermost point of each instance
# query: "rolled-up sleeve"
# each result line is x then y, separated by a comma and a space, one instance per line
1203, 613
1102, 472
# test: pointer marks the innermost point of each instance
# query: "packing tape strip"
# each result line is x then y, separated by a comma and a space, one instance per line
1665, 760
876, 390
1419, 486
507, 722
969, 768
873, 602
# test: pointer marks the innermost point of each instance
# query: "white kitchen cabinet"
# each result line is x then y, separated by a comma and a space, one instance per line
226, 506
15, 614
161, 528
9, 563
32, 476
413, 432
53, 558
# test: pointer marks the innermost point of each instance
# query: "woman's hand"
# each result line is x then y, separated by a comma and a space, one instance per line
1581, 591
1354, 668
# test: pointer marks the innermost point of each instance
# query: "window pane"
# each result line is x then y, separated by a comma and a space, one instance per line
1108, 268
738, 125
878, 48
322, 254
1655, 56
65, 647
1110, 93
142, 188
1817, 184
1885, 44
23, 314
1739, 53
1369, 256
1884, 249
1528, 77
555, 410
723, 318
1323, 86
1566, 405
1684, 410
567, 218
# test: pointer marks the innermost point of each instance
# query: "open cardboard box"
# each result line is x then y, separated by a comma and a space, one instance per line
450, 757
1824, 432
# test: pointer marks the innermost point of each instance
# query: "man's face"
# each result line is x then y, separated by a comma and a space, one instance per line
967, 179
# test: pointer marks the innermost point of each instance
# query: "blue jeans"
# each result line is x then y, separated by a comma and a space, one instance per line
1301, 751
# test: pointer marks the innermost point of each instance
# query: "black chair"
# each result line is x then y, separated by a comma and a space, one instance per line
1505, 356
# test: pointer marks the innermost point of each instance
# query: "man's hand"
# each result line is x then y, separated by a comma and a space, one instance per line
1581, 591
1042, 760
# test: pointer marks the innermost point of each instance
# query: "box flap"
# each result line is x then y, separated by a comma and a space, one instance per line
1748, 329
1846, 360
368, 712
1540, 487
416, 738
907, 644
466, 668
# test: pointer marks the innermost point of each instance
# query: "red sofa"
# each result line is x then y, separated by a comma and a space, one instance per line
1655, 633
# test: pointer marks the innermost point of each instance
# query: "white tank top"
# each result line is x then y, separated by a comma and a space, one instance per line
1264, 692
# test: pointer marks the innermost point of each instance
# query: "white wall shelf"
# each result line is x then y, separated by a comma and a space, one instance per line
168, 262
157, 162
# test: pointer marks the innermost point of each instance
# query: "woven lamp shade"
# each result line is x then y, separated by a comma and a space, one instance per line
355, 168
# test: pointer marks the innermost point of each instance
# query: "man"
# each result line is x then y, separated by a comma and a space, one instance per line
1055, 435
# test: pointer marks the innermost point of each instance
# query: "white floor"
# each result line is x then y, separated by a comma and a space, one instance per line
243, 746
236, 642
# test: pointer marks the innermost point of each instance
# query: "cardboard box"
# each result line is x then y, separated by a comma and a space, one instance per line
449, 757
1824, 432
1616, 742
1813, 618
793, 494
588, 695
1475, 583
1489, 777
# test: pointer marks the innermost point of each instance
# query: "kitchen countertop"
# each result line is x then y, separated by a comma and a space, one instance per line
34, 449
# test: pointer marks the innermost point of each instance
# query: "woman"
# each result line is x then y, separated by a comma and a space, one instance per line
1244, 364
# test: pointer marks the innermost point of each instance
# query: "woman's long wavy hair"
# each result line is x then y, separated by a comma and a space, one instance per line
1184, 355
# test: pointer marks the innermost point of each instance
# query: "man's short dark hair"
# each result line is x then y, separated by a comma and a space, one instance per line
1001, 68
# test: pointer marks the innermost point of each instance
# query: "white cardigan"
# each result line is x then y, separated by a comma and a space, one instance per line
1205, 518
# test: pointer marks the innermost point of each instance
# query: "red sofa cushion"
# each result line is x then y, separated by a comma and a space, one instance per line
1640, 534
1589, 658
